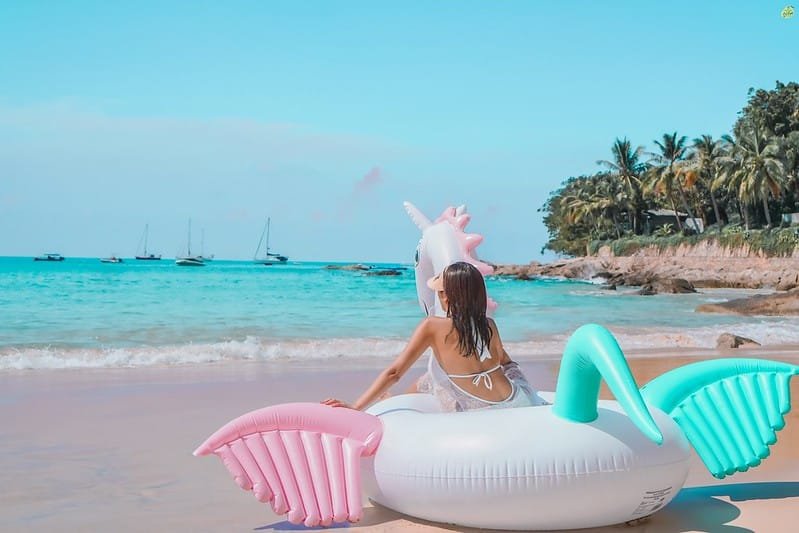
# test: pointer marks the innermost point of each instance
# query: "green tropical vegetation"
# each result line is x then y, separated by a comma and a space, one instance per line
734, 189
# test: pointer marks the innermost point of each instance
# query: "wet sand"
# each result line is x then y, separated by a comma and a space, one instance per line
110, 450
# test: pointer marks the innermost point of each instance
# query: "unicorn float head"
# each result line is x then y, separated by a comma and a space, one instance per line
444, 242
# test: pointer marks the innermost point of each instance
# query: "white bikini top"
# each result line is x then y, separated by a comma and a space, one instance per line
484, 376
450, 392
454, 398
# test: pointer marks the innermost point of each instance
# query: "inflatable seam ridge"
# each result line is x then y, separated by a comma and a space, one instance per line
536, 475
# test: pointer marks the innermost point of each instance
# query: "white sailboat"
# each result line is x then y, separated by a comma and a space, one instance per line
188, 259
145, 256
271, 258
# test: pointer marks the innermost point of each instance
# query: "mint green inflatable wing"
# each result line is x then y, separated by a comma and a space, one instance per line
729, 409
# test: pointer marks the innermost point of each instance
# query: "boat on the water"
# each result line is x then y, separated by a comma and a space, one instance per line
271, 258
188, 259
49, 257
112, 259
145, 256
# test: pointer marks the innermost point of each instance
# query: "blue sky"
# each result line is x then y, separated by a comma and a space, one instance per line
326, 115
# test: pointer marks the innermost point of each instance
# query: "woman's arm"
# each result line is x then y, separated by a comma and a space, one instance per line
504, 358
509, 366
420, 341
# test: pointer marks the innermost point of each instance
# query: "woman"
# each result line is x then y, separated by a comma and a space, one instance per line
469, 368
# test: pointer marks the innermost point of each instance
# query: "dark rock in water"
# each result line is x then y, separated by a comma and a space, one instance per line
674, 286
647, 290
615, 279
608, 287
358, 266
730, 340
384, 272
777, 304
523, 276
639, 279
667, 286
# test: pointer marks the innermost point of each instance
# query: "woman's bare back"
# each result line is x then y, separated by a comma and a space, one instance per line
452, 361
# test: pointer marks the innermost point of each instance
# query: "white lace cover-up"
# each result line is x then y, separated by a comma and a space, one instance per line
453, 398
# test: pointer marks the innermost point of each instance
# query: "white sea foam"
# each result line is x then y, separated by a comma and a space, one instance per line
250, 349
767, 333
771, 332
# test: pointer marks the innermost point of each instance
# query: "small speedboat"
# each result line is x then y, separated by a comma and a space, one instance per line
112, 259
194, 261
272, 259
49, 257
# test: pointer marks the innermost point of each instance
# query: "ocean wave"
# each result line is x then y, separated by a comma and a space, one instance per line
249, 349
768, 333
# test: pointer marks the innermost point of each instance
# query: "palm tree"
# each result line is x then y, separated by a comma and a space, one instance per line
664, 173
791, 154
704, 161
755, 170
627, 166
598, 200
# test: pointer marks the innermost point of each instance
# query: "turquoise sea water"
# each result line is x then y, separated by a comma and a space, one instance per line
83, 313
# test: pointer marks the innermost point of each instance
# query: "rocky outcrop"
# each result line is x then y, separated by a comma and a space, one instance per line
727, 341
701, 272
700, 250
580, 268
788, 282
667, 286
777, 304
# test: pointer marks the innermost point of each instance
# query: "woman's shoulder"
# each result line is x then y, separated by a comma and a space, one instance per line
435, 323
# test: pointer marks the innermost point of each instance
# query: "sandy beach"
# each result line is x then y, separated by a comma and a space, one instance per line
110, 450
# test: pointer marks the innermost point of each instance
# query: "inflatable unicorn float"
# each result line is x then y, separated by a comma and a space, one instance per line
577, 462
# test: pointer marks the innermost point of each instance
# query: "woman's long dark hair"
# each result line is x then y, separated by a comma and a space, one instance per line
466, 292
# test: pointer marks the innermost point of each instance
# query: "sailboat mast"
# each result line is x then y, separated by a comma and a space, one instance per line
268, 221
146, 228
261, 240
188, 247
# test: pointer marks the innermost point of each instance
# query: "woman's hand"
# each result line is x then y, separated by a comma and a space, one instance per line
333, 402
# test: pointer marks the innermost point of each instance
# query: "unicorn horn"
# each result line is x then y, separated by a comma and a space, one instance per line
421, 221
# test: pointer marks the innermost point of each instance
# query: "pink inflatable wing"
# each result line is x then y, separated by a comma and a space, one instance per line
303, 458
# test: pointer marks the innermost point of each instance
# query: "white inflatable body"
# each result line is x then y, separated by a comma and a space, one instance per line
522, 468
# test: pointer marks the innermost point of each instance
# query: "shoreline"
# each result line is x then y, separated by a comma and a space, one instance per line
110, 449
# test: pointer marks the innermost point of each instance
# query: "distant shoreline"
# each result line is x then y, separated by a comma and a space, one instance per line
780, 274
